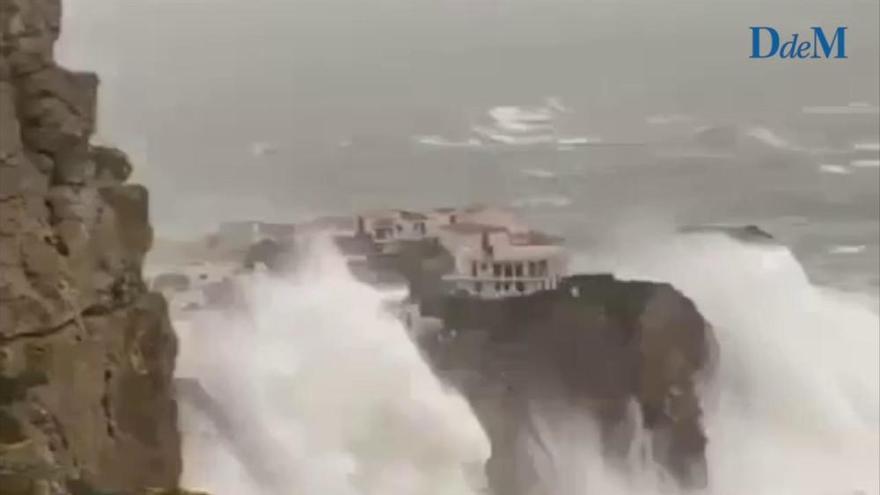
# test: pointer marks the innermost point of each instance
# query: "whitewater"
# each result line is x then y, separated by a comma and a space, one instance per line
324, 393
320, 392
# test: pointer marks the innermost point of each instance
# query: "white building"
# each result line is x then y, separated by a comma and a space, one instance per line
496, 254
389, 227
494, 261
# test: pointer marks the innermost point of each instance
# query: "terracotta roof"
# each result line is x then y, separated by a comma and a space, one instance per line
411, 215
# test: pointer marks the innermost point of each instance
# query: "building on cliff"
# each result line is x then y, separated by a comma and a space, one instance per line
493, 261
387, 228
494, 253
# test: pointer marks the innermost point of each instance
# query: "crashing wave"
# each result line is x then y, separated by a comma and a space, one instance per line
313, 388
830, 168
865, 163
795, 406
866, 146
442, 142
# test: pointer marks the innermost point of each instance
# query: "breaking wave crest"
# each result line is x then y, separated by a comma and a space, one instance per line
794, 407
315, 389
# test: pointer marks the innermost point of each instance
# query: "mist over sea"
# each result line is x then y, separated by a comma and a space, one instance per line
339, 88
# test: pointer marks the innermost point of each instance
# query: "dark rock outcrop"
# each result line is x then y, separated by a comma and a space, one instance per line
596, 345
274, 255
86, 351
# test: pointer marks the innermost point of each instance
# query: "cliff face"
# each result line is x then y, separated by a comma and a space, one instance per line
596, 345
86, 352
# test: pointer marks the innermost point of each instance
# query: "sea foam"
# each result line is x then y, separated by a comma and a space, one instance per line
317, 390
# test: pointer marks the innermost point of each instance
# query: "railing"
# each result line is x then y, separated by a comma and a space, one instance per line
491, 279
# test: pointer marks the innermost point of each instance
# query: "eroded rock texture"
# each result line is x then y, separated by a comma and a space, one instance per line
597, 347
86, 352
631, 356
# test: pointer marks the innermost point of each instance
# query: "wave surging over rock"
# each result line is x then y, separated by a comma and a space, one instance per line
793, 407
315, 389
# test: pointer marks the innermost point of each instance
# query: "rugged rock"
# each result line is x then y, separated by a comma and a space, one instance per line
86, 352
596, 345
272, 254
630, 354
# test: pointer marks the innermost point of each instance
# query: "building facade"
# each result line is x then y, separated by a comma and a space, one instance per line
495, 253
494, 261
387, 228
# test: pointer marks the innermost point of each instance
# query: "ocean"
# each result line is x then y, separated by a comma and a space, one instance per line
286, 110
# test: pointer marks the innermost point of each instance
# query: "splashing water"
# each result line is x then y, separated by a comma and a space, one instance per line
795, 405
321, 391
316, 390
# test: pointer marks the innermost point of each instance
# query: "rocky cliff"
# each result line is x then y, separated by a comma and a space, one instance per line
630, 355
596, 346
86, 352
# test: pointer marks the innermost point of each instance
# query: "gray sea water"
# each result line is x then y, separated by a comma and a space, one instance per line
337, 90
286, 109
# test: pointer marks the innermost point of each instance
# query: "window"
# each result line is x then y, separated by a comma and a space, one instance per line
473, 268
496, 269
420, 227
497, 286
533, 269
521, 287
542, 268
518, 270
508, 270
478, 287
381, 234
484, 266
399, 227
452, 218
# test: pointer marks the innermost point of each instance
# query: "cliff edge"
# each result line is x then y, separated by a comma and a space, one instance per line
630, 355
86, 352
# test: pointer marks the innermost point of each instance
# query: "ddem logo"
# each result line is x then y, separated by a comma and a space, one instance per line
766, 44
